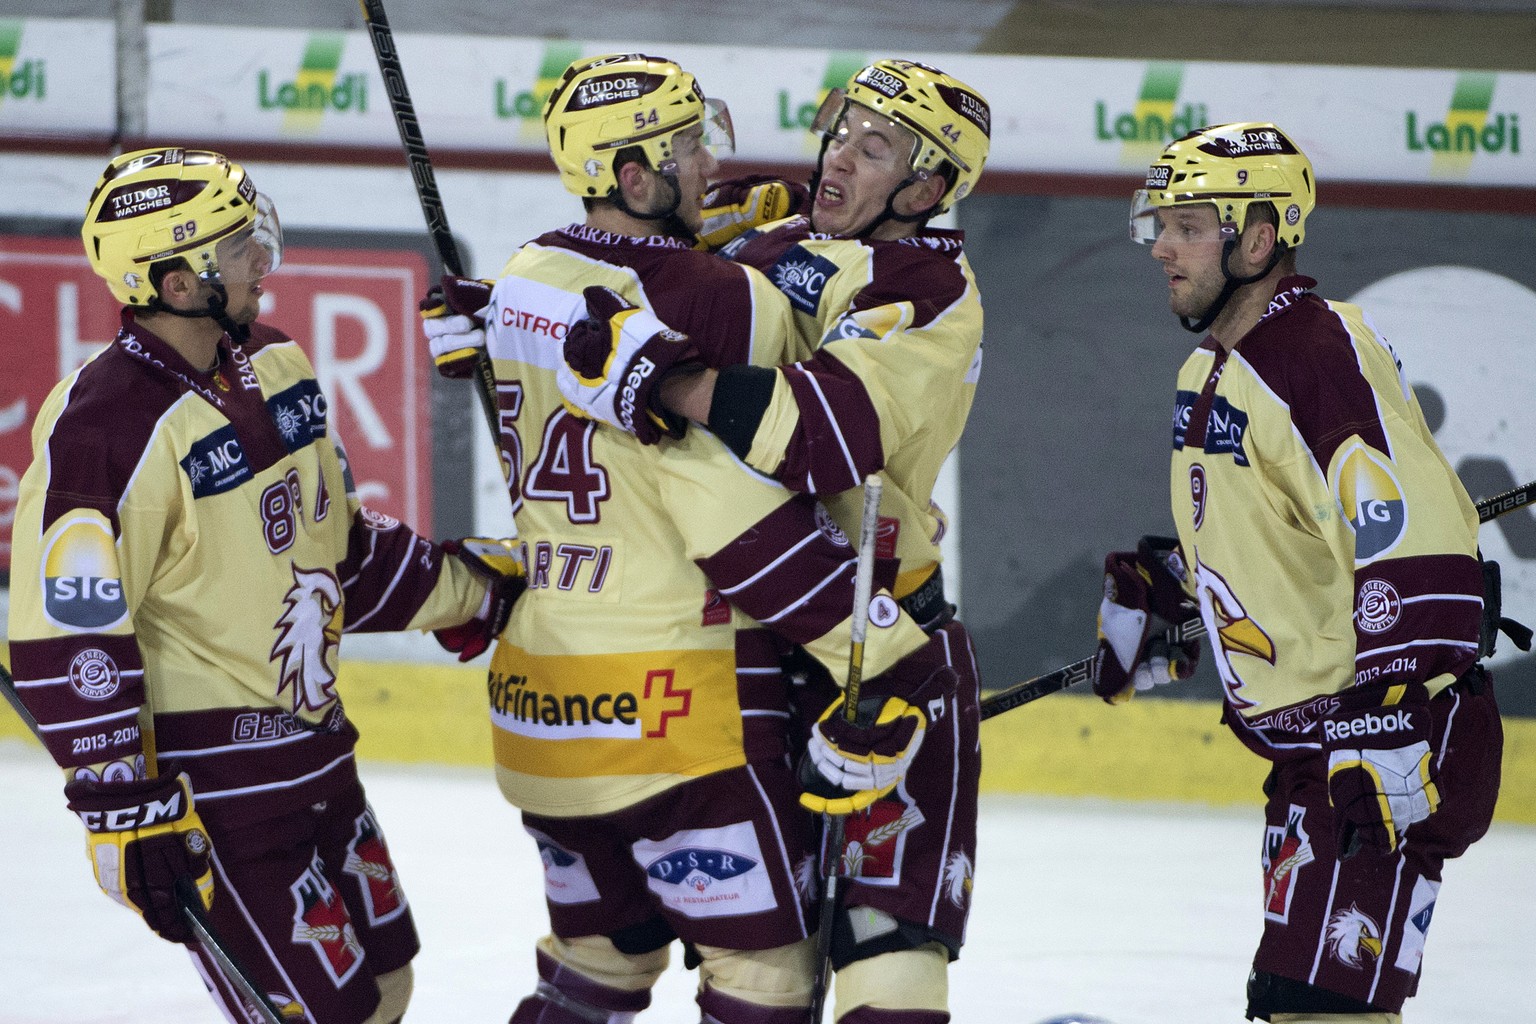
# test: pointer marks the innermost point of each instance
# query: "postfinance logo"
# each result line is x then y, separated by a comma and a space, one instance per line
315, 89
800, 111
1157, 119
1469, 128
26, 80
527, 105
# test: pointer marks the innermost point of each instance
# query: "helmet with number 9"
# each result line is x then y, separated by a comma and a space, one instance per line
159, 204
604, 104
1230, 167
952, 122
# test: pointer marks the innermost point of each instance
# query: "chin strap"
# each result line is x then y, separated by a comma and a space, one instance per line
217, 311
667, 221
1230, 288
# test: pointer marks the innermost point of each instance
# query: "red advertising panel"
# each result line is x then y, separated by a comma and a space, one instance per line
352, 310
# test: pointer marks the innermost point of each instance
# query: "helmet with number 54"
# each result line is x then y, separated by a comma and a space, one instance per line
604, 105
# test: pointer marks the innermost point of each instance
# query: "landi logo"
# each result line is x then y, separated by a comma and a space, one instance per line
316, 88
798, 113
1469, 128
527, 105
27, 80
1156, 120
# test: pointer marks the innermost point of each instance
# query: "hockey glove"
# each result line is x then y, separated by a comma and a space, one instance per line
453, 317
1381, 773
501, 567
142, 837
849, 765
1144, 597
615, 360
732, 208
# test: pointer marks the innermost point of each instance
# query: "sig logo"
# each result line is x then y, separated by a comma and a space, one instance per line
82, 590
1372, 501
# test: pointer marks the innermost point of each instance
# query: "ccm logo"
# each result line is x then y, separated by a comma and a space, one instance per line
126, 819
1368, 725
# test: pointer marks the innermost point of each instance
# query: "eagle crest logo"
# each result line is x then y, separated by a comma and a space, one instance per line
308, 633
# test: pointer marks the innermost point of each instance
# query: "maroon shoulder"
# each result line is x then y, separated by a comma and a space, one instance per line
709, 299
263, 335
929, 278
762, 249
1306, 356
98, 440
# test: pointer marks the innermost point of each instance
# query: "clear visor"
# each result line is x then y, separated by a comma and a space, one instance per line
1190, 217
1145, 227
253, 253
838, 117
719, 135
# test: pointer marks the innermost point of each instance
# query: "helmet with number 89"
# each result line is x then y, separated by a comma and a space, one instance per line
154, 205
605, 104
1231, 167
951, 121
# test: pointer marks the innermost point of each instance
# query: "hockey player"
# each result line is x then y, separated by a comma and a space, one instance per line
639, 715
188, 551
1332, 554
891, 310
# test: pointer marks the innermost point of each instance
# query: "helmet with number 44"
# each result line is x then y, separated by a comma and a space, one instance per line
951, 122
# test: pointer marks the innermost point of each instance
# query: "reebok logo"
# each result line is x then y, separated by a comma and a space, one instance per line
642, 369
1368, 724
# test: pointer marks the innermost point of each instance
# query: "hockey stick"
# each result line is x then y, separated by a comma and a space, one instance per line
1193, 629
191, 905
426, 187
832, 851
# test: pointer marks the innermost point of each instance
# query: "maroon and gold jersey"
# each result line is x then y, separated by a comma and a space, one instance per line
1329, 542
188, 553
896, 328
625, 670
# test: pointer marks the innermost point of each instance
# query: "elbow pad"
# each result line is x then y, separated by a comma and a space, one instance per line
740, 399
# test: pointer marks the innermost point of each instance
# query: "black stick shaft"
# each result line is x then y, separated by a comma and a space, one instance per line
1191, 629
426, 186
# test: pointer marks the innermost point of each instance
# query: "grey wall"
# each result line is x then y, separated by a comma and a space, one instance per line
1066, 454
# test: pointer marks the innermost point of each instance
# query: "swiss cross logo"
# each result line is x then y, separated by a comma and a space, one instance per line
663, 680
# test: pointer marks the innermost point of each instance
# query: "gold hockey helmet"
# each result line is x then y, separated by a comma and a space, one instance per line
952, 122
1229, 166
604, 104
157, 204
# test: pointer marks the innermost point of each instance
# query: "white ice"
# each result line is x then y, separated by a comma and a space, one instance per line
1139, 914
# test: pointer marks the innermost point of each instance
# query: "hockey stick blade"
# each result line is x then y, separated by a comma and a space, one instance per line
186, 896
1082, 671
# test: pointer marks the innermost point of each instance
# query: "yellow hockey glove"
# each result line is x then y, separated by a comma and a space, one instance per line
143, 837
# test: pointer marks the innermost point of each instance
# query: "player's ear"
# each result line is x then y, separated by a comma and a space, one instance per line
921, 196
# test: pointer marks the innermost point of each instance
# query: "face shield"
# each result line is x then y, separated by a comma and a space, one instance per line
719, 135
1150, 220
252, 253
840, 119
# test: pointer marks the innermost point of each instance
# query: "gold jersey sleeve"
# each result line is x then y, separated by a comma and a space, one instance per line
1330, 542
